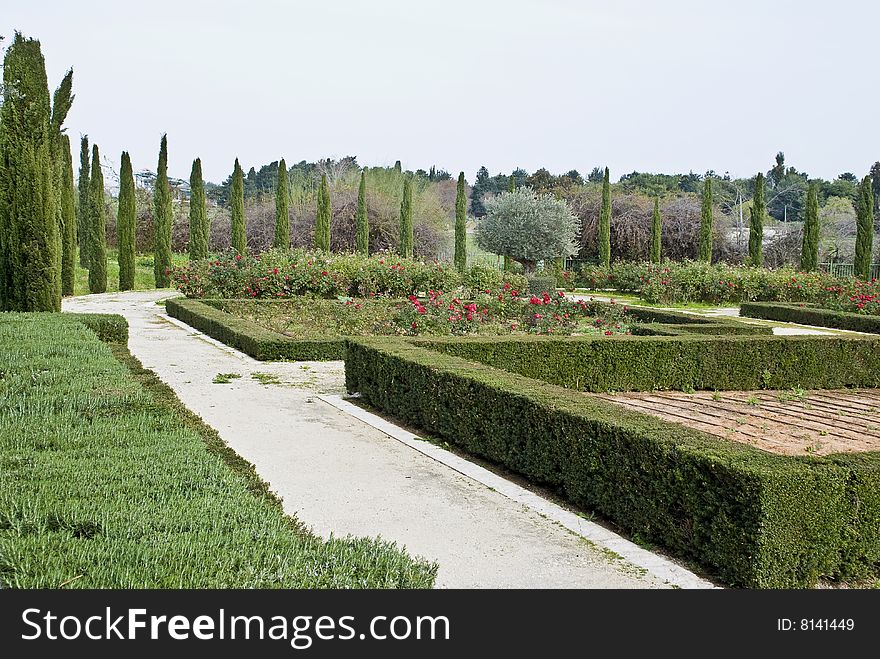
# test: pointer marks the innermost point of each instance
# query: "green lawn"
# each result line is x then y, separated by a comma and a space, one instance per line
143, 276
108, 481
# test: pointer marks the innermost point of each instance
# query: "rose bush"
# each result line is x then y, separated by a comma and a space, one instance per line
506, 311
284, 274
692, 281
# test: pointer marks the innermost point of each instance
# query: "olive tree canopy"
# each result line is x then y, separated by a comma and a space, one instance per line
528, 227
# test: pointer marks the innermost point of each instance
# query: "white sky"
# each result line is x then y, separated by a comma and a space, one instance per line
671, 86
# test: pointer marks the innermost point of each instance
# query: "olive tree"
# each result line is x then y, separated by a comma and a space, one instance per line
528, 227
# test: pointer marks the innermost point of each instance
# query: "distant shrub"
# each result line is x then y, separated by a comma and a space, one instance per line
538, 285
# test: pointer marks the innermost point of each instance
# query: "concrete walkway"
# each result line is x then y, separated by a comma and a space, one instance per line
340, 475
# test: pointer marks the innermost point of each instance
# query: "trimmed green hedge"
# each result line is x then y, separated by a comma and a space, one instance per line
721, 324
110, 328
810, 315
646, 363
662, 322
266, 345
252, 339
753, 518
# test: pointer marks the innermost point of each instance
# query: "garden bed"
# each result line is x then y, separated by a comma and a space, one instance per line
789, 422
107, 481
805, 314
310, 329
752, 517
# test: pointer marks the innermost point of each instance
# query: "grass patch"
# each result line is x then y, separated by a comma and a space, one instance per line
266, 378
107, 481
225, 378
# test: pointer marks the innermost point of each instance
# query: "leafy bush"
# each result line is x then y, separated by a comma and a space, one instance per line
538, 285
753, 518
109, 482
482, 278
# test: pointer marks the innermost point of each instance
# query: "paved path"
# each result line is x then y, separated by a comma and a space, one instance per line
340, 475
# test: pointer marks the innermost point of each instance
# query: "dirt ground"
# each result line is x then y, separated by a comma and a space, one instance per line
794, 422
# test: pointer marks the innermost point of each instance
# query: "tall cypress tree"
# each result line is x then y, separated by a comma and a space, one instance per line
65, 202
511, 187
236, 201
460, 259
282, 208
406, 220
82, 207
97, 239
864, 229
605, 222
68, 220
362, 221
875, 184
756, 224
125, 224
655, 232
30, 244
199, 227
324, 216
707, 220
162, 219
810, 246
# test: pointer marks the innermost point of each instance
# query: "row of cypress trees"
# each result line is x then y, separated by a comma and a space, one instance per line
199, 228
41, 223
758, 212
34, 203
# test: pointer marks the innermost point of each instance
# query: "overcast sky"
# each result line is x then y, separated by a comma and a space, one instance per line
671, 86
